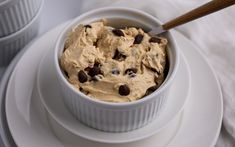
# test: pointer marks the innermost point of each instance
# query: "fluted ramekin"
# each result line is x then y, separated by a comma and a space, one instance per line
108, 116
15, 14
11, 45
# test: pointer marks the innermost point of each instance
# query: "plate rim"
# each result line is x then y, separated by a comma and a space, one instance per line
220, 94
52, 114
177, 33
5, 134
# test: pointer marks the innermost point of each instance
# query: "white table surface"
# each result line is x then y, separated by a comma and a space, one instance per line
52, 13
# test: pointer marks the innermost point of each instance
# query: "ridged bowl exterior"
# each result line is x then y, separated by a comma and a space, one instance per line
11, 45
110, 119
107, 116
15, 14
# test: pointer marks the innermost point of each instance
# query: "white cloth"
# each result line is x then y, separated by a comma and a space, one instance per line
215, 36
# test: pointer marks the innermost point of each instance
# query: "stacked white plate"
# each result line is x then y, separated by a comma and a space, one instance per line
19, 24
27, 122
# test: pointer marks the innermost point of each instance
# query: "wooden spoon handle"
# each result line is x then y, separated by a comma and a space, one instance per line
210, 7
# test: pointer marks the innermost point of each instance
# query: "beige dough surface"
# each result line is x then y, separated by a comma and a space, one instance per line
119, 58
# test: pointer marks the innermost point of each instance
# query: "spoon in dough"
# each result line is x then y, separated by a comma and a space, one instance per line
208, 8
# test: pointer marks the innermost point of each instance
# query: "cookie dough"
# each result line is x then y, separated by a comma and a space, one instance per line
114, 65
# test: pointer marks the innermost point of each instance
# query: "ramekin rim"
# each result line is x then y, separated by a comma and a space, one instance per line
92, 100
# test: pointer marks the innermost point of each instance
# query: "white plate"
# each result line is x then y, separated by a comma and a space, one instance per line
52, 99
162, 138
29, 127
7, 140
26, 116
24, 106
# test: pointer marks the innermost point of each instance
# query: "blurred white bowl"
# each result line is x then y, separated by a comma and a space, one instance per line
11, 44
15, 14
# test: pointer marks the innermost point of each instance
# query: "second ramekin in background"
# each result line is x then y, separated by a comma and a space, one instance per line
116, 117
15, 14
11, 44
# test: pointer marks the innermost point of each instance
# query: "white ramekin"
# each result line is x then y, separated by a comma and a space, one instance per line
15, 14
10, 45
116, 117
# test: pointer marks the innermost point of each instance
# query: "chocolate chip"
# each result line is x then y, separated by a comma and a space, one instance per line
64, 49
87, 26
87, 68
119, 56
116, 55
96, 43
94, 71
166, 70
97, 64
118, 32
82, 77
66, 73
138, 39
124, 90
155, 40
115, 71
131, 70
151, 90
